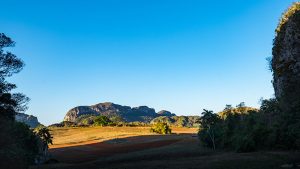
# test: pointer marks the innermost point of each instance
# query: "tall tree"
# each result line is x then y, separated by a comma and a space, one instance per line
208, 123
18, 144
10, 103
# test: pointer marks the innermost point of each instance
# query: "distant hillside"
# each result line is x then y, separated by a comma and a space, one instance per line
178, 121
30, 120
165, 113
128, 114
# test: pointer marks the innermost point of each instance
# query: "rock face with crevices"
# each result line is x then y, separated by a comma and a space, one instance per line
30, 120
141, 113
286, 58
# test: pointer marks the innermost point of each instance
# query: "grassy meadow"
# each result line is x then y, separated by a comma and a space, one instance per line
71, 136
137, 147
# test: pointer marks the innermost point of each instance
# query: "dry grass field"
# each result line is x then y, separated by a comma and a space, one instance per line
137, 147
66, 137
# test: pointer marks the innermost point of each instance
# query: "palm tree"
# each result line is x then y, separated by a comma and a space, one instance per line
207, 122
44, 134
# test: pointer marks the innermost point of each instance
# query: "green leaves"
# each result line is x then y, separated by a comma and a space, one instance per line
161, 128
44, 134
102, 121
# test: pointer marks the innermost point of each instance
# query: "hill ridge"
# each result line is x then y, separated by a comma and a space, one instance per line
128, 113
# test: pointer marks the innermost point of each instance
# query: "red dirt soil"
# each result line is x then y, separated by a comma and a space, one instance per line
90, 152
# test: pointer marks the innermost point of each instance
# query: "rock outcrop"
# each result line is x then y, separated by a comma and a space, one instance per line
286, 58
30, 120
165, 113
141, 113
79, 111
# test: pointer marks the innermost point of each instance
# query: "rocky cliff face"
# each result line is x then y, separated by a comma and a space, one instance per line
78, 111
30, 120
286, 58
141, 113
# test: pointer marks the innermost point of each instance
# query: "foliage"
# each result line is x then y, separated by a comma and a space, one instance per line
85, 120
44, 134
9, 65
285, 59
88, 120
178, 121
247, 129
163, 119
135, 124
282, 115
229, 110
19, 145
209, 128
63, 124
161, 128
39, 126
287, 14
117, 119
102, 121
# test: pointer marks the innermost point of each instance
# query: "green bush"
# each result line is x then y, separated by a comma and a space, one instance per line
161, 128
117, 119
85, 120
102, 121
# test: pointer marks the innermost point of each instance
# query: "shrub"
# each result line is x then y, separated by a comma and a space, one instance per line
85, 120
161, 128
117, 119
18, 145
102, 121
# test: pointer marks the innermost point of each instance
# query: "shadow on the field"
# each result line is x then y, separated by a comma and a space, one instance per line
168, 152
90, 152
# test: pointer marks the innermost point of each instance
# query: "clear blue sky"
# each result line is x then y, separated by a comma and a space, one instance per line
181, 56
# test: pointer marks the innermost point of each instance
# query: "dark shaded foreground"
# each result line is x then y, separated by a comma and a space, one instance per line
164, 152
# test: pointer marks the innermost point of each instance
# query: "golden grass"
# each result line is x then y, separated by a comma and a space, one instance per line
71, 136
184, 153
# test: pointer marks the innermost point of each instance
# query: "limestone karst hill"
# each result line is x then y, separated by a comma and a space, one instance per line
127, 113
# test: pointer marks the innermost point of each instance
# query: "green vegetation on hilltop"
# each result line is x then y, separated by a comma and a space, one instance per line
287, 14
240, 109
102, 121
115, 120
286, 60
178, 121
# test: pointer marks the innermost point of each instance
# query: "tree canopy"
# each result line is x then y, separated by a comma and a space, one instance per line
10, 103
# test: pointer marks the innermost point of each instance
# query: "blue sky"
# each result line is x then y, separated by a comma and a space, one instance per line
181, 56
